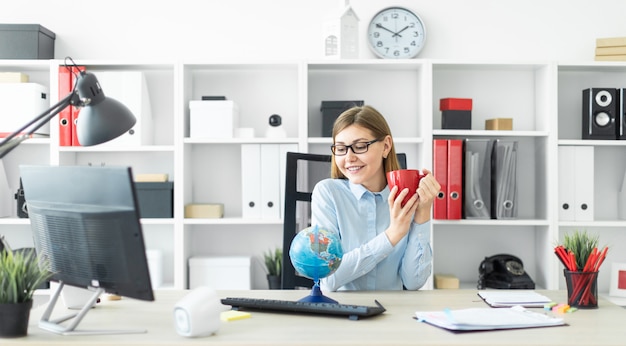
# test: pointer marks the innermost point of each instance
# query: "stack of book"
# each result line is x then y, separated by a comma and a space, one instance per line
611, 49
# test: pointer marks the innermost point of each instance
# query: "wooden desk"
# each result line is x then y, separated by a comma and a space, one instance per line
603, 326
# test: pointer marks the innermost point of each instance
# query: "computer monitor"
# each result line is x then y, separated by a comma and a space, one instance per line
85, 222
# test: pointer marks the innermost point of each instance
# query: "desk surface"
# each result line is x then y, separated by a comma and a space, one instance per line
602, 326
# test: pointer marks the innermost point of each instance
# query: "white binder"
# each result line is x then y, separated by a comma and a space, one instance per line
129, 88
583, 185
270, 180
263, 169
566, 183
251, 181
576, 183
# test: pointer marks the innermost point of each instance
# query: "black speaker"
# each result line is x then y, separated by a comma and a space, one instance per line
621, 113
600, 113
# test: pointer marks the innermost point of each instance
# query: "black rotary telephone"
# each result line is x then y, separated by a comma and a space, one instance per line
503, 271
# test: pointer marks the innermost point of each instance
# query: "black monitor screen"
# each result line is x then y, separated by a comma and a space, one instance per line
85, 223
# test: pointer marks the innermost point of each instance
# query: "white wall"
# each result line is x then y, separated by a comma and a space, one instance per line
563, 30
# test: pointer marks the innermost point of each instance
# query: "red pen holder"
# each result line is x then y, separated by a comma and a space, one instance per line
582, 289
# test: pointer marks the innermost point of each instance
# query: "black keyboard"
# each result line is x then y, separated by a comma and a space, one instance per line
353, 312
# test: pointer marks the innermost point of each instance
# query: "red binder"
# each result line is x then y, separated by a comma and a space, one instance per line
75, 110
440, 172
455, 179
65, 116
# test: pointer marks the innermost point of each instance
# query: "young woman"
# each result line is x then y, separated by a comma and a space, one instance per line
386, 246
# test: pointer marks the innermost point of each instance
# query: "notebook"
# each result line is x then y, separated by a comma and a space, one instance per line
508, 298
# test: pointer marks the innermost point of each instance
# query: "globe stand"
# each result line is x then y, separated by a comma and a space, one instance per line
316, 296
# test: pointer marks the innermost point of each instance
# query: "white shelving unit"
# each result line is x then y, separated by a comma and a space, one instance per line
543, 98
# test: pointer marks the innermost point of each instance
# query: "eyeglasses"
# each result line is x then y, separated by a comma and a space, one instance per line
357, 148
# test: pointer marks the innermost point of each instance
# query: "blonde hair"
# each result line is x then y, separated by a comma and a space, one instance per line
368, 118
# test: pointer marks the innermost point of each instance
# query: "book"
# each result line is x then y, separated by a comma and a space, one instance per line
13, 77
611, 41
509, 298
621, 57
473, 319
151, 177
618, 50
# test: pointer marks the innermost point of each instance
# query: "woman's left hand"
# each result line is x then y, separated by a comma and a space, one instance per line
427, 191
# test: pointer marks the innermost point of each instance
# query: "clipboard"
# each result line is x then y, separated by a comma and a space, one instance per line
483, 319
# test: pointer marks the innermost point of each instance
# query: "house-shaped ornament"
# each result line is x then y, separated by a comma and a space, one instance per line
341, 34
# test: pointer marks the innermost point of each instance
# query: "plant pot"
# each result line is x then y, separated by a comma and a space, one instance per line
14, 319
274, 282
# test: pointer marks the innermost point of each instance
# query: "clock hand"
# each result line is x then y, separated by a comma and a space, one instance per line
382, 27
398, 33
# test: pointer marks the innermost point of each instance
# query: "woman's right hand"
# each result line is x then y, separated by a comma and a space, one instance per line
400, 216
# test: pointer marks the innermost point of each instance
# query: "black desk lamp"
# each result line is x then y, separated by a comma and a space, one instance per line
101, 118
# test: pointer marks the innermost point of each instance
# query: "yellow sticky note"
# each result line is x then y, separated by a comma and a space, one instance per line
233, 315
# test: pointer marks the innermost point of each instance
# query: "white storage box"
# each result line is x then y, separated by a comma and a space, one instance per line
213, 119
21, 103
220, 273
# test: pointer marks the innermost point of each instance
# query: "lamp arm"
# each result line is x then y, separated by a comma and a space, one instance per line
17, 137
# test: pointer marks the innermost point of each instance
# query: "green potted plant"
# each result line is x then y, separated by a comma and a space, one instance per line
21, 273
274, 266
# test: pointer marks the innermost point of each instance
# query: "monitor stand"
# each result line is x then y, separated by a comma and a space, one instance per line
55, 326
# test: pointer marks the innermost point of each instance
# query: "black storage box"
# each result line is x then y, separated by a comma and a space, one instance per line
155, 199
331, 110
458, 120
26, 41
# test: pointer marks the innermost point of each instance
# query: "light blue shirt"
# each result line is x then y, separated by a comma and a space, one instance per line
370, 262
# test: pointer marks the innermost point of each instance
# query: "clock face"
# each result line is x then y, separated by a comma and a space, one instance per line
396, 33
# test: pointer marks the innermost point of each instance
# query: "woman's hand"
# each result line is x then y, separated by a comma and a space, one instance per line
400, 217
427, 192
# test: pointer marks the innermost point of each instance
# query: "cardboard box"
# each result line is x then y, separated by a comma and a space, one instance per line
446, 281
209, 211
331, 110
220, 273
499, 124
155, 199
213, 119
26, 41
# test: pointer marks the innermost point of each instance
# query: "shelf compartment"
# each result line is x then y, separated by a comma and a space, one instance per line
396, 89
518, 91
260, 90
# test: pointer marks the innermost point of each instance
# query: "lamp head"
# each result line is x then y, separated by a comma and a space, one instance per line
101, 118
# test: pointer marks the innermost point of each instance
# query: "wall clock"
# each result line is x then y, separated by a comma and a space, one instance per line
396, 33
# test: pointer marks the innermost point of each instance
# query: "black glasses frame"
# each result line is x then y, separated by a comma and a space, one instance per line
351, 147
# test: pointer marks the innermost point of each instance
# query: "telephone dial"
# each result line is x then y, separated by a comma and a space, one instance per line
503, 271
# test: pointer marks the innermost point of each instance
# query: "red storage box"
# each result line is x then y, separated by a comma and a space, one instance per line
455, 104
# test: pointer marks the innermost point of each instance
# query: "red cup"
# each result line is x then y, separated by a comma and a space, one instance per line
405, 178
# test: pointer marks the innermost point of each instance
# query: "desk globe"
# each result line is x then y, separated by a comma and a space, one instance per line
316, 253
